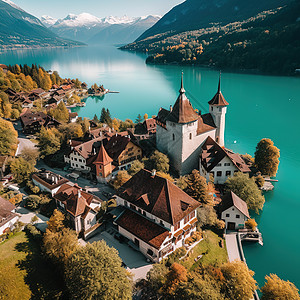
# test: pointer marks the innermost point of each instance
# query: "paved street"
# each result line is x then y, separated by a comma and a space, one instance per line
26, 216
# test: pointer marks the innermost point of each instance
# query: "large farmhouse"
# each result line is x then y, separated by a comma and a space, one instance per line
158, 216
181, 130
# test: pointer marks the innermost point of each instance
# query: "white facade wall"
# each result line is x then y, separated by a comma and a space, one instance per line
224, 167
44, 188
90, 220
10, 224
77, 162
233, 215
218, 113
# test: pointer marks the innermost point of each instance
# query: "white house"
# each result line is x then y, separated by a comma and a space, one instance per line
219, 162
181, 130
234, 211
8, 217
81, 208
158, 216
48, 181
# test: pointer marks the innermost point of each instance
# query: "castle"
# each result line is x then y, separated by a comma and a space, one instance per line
181, 131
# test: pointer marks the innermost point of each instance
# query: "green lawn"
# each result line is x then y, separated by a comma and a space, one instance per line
23, 272
212, 253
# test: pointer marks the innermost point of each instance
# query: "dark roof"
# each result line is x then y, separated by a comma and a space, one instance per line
116, 145
212, 153
231, 199
149, 232
218, 98
158, 196
38, 91
6, 209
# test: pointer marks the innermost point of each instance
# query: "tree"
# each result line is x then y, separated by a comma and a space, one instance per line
95, 272
49, 141
176, 275
239, 281
60, 113
156, 279
207, 216
8, 138
278, 289
139, 119
15, 114
120, 179
30, 154
166, 176
21, 169
55, 222
251, 224
33, 202
181, 182
115, 124
158, 161
246, 188
267, 157
60, 245
146, 117
70, 131
260, 181
136, 166
197, 187
105, 116
85, 124
95, 119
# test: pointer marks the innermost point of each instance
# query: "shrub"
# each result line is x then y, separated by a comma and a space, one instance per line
33, 202
195, 237
33, 232
251, 224
175, 256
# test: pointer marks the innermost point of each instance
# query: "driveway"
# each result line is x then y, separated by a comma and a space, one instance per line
135, 261
24, 143
232, 247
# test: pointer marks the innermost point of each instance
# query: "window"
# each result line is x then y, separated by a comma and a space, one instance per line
125, 203
80, 160
161, 223
191, 136
76, 166
212, 108
237, 216
227, 164
219, 173
75, 159
150, 252
132, 206
144, 213
219, 165
220, 109
82, 167
173, 137
228, 173
227, 215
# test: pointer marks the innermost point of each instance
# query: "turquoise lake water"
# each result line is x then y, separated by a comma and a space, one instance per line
260, 106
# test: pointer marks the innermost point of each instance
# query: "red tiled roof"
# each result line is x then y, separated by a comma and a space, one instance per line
149, 232
102, 157
218, 99
231, 199
158, 196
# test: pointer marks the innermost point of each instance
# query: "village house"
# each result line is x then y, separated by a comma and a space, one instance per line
220, 162
157, 217
145, 130
32, 122
80, 208
8, 217
104, 131
181, 130
234, 211
48, 181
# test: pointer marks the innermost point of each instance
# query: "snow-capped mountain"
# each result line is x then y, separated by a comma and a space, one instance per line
13, 4
86, 27
48, 21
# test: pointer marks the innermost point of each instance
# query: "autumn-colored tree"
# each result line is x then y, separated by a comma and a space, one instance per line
158, 161
251, 224
85, 125
95, 272
8, 138
146, 116
239, 281
136, 166
197, 187
30, 154
60, 113
60, 245
49, 141
207, 216
267, 157
70, 131
247, 190
177, 274
124, 125
278, 289
115, 124
166, 176
55, 223
120, 179
21, 169
260, 181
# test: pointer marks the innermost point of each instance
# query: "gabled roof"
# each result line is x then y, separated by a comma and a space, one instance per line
149, 232
6, 211
231, 199
212, 153
158, 196
102, 157
86, 149
218, 99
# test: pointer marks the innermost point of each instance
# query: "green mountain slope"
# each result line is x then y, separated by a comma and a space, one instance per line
20, 29
268, 42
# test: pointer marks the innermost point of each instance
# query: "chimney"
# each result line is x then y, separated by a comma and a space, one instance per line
79, 193
153, 173
47, 175
171, 108
56, 179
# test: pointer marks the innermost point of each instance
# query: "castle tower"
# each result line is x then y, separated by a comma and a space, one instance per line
103, 165
218, 108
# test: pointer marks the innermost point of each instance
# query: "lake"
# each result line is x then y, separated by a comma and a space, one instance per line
259, 106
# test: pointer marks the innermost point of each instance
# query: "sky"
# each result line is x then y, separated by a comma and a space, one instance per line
99, 8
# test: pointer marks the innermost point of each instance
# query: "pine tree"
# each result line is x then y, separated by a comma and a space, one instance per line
139, 119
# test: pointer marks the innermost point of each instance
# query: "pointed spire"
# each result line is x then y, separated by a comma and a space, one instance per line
219, 87
182, 90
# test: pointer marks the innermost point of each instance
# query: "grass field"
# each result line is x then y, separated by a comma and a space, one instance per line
212, 253
23, 272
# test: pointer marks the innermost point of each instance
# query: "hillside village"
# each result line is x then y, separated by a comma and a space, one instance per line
164, 191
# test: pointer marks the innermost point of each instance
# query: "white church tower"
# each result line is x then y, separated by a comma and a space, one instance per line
217, 109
